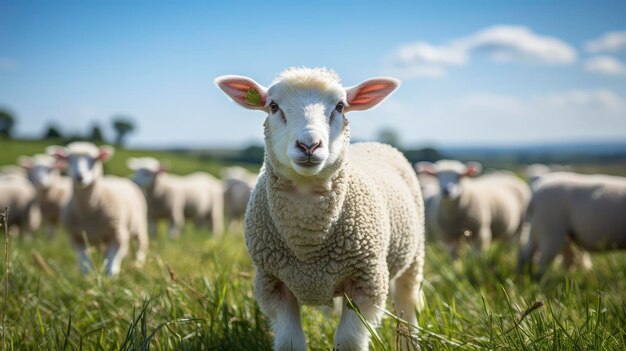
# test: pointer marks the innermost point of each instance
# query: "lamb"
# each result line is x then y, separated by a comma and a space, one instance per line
238, 184
537, 170
104, 211
327, 218
432, 196
489, 207
197, 196
53, 189
19, 195
569, 208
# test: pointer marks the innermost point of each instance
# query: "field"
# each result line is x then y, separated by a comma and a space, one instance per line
195, 293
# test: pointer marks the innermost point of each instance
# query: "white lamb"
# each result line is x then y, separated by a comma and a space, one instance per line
432, 195
53, 189
238, 184
479, 209
103, 210
326, 217
568, 208
19, 195
197, 196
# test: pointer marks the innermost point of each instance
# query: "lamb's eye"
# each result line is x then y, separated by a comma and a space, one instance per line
273, 107
339, 107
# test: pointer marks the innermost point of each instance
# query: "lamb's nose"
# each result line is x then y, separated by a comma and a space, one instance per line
79, 178
308, 149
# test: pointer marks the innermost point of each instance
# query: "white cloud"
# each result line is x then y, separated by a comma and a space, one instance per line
609, 42
501, 43
598, 100
606, 65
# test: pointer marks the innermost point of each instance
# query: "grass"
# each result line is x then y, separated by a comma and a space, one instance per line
196, 293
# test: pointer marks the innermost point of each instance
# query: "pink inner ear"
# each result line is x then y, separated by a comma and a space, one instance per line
104, 155
370, 93
238, 89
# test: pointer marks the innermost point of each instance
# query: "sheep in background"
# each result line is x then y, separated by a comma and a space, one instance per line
13, 170
19, 195
103, 210
569, 208
326, 217
53, 189
480, 209
197, 196
238, 184
431, 194
535, 171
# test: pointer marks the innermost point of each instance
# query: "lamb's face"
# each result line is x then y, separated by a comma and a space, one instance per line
84, 161
144, 177
450, 175
306, 127
42, 170
43, 176
145, 170
84, 169
305, 109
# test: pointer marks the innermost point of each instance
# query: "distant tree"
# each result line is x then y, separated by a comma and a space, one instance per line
96, 134
389, 136
52, 132
7, 123
123, 126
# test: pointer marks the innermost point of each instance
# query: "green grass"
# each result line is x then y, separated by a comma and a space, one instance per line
196, 292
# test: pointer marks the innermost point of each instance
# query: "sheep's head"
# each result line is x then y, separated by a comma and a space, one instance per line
450, 174
306, 130
145, 170
43, 170
84, 160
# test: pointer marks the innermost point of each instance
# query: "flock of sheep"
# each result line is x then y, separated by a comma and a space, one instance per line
324, 218
108, 211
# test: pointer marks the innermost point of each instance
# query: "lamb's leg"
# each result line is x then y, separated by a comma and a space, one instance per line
552, 240
408, 297
84, 263
351, 332
115, 254
217, 220
279, 304
177, 221
142, 249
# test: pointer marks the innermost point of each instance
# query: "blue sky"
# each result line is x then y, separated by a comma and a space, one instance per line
479, 72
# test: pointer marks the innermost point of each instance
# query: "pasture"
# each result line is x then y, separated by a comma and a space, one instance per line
195, 293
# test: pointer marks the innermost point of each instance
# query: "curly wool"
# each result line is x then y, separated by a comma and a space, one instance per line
368, 227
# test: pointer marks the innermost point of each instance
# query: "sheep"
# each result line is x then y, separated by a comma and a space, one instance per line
104, 211
327, 218
19, 195
431, 194
535, 171
488, 207
197, 196
12, 170
238, 184
53, 189
569, 208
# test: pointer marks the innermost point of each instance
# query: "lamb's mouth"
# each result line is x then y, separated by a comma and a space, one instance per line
308, 162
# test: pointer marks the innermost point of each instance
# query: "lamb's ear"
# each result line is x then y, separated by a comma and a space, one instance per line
106, 152
25, 162
244, 91
131, 163
370, 93
472, 169
58, 152
426, 168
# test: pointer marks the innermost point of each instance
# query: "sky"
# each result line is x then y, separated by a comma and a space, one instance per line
473, 72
